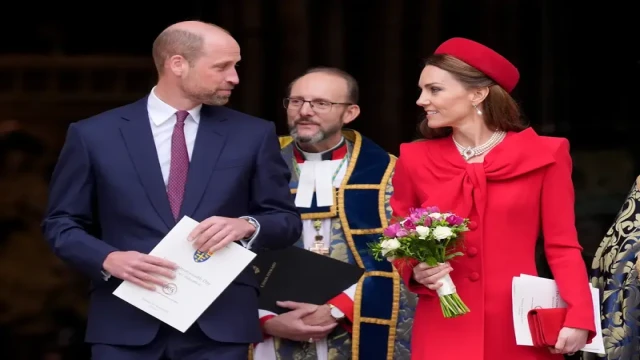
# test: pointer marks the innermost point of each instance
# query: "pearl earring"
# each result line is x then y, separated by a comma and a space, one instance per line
477, 110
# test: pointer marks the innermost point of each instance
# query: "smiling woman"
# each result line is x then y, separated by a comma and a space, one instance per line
448, 80
513, 185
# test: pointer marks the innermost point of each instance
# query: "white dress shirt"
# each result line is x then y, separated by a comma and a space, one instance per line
162, 118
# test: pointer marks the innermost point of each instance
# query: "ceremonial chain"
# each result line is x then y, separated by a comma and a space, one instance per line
470, 152
318, 244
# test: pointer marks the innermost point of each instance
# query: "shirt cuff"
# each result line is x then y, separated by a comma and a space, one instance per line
247, 243
105, 275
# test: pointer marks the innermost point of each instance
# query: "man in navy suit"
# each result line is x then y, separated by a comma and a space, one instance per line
126, 176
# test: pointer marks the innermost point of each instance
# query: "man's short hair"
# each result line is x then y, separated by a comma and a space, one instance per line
353, 90
176, 42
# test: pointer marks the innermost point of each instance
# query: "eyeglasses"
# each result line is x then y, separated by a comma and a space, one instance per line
316, 105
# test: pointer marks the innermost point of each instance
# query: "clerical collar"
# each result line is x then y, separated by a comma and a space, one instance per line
335, 153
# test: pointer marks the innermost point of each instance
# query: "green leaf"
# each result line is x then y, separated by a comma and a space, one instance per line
451, 256
431, 261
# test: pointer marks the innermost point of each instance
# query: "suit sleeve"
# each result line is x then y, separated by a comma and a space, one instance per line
69, 217
272, 205
404, 198
561, 245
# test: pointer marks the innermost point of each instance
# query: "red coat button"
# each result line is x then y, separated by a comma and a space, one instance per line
472, 251
474, 276
472, 225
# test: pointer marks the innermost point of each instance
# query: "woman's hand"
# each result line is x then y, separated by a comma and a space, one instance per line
429, 275
570, 340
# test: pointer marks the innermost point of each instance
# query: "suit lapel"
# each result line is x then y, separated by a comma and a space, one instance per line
136, 131
210, 141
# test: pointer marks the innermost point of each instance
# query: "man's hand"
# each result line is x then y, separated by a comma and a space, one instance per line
216, 232
320, 317
290, 325
140, 269
570, 340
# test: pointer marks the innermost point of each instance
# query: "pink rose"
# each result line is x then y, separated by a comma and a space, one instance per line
409, 225
427, 221
455, 220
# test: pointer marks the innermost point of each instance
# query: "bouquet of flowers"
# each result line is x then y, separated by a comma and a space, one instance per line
431, 237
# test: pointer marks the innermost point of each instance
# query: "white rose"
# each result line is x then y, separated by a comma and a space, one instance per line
389, 245
435, 216
423, 231
442, 232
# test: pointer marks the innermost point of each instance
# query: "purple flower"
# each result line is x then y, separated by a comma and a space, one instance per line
414, 218
433, 209
455, 220
419, 212
427, 221
402, 233
417, 215
391, 230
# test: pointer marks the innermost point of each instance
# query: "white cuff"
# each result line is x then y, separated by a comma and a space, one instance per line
351, 291
105, 275
263, 313
248, 242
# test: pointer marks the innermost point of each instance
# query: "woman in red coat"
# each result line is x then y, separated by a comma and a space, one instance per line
480, 161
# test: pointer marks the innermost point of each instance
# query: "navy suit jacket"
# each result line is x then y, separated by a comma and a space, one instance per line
107, 194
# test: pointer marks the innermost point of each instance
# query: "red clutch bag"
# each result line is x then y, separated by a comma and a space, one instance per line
545, 325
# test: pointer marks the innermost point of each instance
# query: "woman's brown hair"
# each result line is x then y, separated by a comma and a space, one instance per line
499, 110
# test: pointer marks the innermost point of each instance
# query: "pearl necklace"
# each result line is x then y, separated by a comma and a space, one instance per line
469, 152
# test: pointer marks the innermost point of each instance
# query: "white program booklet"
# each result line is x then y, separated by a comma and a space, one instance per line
530, 292
199, 280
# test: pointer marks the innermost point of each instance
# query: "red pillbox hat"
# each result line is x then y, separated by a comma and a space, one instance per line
492, 64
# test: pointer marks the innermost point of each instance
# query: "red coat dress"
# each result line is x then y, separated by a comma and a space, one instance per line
523, 187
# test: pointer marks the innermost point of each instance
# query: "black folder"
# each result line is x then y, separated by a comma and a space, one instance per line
300, 275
